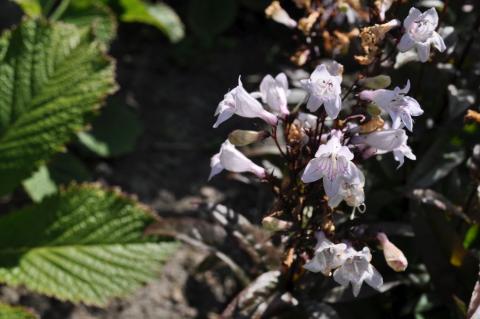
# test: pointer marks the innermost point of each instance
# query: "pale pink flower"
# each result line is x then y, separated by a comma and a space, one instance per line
324, 89
420, 33
357, 269
231, 159
239, 101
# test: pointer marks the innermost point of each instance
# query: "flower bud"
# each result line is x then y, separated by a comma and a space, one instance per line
278, 14
377, 82
393, 256
244, 137
275, 224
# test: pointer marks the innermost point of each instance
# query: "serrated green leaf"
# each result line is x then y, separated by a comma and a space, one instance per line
97, 16
85, 244
114, 132
53, 78
159, 15
11, 312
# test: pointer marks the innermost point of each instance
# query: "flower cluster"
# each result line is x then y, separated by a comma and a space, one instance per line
348, 265
322, 148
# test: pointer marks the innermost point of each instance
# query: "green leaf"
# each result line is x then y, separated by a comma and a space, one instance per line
97, 16
85, 244
159, 15
32, 8
209, 18
114, 132
53, 78
11, 312
40, 184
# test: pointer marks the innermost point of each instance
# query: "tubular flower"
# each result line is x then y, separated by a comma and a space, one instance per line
327, 257
356, 269
333, 163
274, 92
400, 107
420, 33
385, 140
351, 190
233, 160
238, 101
324, 89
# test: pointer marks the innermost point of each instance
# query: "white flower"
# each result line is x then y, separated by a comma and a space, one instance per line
420, 33
401, 152
332, 162
351, 190
385, 140
327, 257
324, 89
233, 160
356, 269
400, 107
307, 120
238, 101
274, 92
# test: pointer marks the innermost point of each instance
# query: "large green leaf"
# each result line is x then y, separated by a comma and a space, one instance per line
10, 312
52, 79
85, 244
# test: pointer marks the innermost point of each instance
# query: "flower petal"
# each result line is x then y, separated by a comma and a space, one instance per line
320, 72
313, 172
331, 185
407, 120
313, 103
333, 106
406, 43
413, 14
423, 50
222, 117
216, 166
432, 16
281, 79
438, 42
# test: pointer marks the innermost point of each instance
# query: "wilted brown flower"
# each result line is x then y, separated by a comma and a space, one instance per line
371, 38
275, 12
300, 57
306, 24
374, 124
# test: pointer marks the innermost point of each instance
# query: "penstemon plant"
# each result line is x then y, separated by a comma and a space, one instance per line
323, 146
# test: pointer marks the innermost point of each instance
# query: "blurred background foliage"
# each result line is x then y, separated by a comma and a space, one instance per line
175, 60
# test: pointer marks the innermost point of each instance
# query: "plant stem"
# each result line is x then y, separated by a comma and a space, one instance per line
274, 136
60, 10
